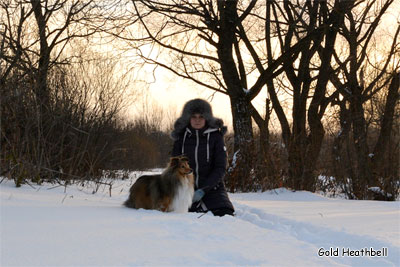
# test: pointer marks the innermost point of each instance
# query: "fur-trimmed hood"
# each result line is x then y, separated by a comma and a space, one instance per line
197, 106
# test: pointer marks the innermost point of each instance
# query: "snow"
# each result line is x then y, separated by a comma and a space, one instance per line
47, 226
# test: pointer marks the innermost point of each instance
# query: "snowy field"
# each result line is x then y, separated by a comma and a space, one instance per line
47, 226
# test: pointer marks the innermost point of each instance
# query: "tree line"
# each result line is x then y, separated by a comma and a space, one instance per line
332, 83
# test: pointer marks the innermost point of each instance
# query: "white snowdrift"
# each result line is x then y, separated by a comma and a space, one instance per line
53, 227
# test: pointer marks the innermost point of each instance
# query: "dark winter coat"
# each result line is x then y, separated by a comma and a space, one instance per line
206, 151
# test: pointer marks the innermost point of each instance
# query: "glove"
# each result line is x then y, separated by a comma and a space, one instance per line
198, 194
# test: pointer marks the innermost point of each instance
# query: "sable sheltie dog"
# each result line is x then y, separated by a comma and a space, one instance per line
171, 190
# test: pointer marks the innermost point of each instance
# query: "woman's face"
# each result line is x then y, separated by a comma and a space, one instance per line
197, 121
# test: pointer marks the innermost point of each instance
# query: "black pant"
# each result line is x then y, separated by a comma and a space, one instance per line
217, 212
222, 212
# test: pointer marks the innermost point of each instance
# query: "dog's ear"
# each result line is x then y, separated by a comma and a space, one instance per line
174, 161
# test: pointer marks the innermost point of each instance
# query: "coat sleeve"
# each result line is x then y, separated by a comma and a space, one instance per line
219, 167
177, 148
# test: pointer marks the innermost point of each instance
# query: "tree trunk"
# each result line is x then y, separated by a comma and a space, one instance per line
318, 105
315, 139
343, 168
296, 153
41, 90
382, 149
271, 179
242, 166
298, 142
239, 175
364, 174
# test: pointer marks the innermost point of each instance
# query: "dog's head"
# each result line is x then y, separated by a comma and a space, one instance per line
181, 165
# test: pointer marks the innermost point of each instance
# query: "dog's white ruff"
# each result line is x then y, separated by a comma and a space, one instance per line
183, 197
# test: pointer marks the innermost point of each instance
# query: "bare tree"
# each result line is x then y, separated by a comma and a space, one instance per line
36, 33
313, 27
308, 75
48, 119
359, 79
381, 163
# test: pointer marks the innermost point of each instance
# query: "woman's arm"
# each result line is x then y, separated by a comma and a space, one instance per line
219, 165
177, 148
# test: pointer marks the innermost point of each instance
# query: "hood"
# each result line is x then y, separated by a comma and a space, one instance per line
197, 106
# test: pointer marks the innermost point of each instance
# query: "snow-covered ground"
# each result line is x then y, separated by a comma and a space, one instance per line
47, 226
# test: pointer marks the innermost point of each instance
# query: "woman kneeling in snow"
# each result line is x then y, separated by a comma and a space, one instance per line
199, 136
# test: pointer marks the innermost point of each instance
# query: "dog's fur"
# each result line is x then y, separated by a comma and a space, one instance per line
171, 190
